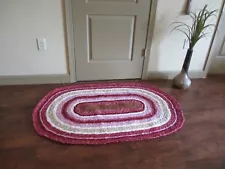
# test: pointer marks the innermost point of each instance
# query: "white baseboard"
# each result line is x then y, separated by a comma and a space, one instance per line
34, 79
171, 75
65, 78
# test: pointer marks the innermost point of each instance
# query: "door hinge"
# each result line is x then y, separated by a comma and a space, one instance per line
143, 52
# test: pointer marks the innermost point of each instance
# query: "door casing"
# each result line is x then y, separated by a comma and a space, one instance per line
212, 53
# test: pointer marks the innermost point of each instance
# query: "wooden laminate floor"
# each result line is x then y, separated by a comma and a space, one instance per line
200, 144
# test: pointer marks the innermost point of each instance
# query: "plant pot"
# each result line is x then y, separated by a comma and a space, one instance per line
182, 80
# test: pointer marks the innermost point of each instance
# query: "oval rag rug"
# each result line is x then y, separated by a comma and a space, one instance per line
106, 112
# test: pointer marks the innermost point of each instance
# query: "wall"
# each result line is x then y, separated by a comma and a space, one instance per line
167, 53
21, 22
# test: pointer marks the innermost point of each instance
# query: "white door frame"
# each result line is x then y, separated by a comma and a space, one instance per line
212, 53
70, 38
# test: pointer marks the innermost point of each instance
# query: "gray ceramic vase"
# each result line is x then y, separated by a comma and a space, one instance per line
182, 81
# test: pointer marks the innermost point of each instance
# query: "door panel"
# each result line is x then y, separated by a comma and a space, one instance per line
104, 32
111, 1
109, 38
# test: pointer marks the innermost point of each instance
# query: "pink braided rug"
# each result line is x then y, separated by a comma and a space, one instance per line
103, 113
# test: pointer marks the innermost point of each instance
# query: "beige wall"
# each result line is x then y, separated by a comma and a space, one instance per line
167, 52
21, 22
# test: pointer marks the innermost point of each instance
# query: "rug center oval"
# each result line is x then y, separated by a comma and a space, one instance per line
108, 107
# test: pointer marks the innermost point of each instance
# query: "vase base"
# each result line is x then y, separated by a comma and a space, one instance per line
182, 81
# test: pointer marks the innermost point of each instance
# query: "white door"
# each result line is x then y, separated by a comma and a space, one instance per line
110, 36
218, 49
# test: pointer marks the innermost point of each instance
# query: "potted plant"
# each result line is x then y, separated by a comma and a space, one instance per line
194, 32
